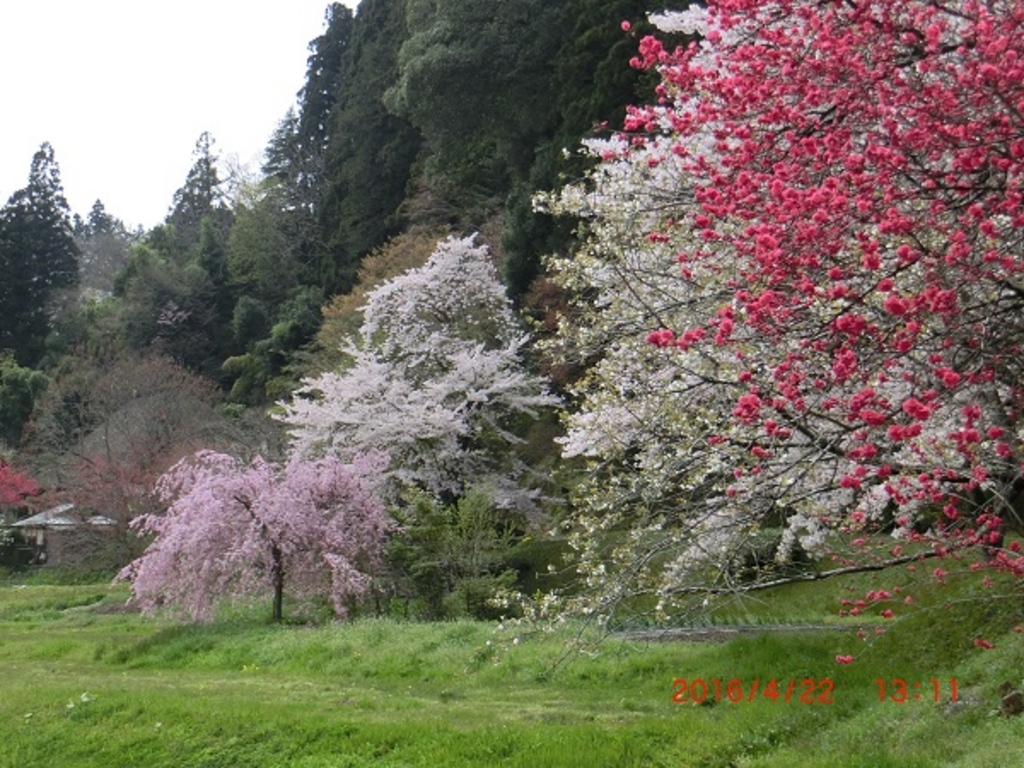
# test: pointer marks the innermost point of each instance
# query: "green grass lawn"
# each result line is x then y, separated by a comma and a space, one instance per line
84, 684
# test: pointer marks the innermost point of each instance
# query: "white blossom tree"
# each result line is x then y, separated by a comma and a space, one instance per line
652, 489
436, 379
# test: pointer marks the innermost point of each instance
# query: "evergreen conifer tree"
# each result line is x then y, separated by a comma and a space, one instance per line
38, 257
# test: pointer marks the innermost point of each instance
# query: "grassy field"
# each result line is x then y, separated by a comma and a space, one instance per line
86, 684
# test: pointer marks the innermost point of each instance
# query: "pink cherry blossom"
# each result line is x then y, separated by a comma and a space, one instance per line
236, 529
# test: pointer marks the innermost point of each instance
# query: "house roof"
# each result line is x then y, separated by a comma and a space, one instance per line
58, 517
55, 517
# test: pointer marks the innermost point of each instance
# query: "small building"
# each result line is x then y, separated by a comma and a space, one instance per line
52, 532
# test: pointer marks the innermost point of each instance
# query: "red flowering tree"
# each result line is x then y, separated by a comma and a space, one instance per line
238, 530
819, 230
15, 486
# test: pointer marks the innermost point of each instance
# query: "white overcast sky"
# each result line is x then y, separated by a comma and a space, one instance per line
123, 88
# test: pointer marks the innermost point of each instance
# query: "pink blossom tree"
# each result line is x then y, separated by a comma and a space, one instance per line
818, 228
237, 529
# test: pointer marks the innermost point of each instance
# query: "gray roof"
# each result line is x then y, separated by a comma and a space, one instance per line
57, 517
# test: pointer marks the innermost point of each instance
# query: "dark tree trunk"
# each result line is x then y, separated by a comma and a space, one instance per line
277, 575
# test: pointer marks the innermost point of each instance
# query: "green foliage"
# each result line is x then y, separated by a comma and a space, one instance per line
283, 243
174, 295
591, 86
199, 198
90, 329
211, 253
15, 554
260, 261
370, 151
593, 78
451, 560
250, 321
249, 374
277, 309
175, 289
541, 565
298, 318
38, 258
104, 243
328, 59
529, 235
263, 371
171, 307
474, 78
474, 75
19, 388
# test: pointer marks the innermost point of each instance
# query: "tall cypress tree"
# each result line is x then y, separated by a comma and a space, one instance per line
38, 257
370, 151
200, 197
329, 58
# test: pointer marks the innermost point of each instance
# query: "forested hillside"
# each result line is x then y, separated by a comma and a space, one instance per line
125, 351
412, 119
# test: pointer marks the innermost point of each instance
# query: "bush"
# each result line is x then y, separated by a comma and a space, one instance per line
450, 560
15, 554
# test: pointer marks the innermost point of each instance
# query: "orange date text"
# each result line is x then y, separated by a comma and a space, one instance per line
900, 691
700, 691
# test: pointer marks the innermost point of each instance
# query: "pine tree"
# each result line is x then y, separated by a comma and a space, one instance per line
104, 243
370, 151
200, 197
325, 68
591, 86
38, 257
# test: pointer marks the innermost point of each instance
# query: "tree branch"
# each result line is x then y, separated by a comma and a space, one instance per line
817, 576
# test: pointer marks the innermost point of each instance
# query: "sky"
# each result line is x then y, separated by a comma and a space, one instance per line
122, 89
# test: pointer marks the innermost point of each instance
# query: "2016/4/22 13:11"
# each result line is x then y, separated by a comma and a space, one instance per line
899, 690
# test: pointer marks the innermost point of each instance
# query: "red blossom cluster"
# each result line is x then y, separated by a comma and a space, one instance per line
15, 486
859, 168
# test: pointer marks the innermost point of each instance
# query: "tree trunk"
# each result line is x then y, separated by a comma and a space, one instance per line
277, 575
